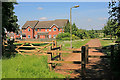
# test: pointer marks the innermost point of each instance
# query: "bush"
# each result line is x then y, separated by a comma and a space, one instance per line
62, 35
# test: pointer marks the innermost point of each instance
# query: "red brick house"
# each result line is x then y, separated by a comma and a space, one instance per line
43, 29
12, 35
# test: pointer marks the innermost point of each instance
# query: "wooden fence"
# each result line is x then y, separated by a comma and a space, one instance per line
84, 56
55, 52
35, 49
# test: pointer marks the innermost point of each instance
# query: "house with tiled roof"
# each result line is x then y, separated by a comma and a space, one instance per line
13, 35
43, 29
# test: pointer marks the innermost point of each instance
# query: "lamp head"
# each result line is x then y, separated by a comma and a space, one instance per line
76, 6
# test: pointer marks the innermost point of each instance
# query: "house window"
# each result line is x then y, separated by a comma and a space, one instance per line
45, 29
62, 29
23, 29
59, 29
49, 29
28, 29
49, 36
35, 29
23, 35
28, 36
54, 36
54, 29
39, 29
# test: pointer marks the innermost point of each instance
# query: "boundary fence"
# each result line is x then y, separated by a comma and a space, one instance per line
55, 52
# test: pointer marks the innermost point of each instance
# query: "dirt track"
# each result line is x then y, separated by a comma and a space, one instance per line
96, 68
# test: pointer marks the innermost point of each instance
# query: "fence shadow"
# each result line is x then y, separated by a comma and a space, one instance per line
99, 70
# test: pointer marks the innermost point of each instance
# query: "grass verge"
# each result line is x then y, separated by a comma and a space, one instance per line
27, 67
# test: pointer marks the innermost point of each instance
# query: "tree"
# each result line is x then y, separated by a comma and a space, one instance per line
74, 30
9, 22
9, 19
67, 28
110, 28
114, 11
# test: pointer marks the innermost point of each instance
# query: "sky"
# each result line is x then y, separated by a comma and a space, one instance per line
90, 15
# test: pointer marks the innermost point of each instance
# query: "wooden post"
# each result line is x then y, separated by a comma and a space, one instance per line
49, 64
60, 53
86, 54
49, 59
55, 43
112, 55
83, 61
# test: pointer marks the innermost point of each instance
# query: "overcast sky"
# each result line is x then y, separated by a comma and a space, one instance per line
90, 15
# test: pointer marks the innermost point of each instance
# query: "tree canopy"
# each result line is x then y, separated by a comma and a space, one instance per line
110, 28
9, 19
114, 11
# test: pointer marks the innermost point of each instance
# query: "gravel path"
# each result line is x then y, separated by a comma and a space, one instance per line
96, 68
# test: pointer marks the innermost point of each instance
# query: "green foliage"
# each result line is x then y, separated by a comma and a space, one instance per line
116, 60
63, 36
110, 28
114, 11
67, 28
80, 33
27, 67
9, 19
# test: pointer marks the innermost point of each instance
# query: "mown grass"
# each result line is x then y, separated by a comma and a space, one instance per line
106, 42
27, 67
75, 44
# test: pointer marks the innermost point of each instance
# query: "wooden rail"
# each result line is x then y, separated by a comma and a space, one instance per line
57, 53
71, 62
31, 42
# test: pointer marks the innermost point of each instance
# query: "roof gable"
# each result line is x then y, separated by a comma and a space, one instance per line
32, 24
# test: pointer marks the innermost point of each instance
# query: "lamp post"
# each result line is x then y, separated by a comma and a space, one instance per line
71, 23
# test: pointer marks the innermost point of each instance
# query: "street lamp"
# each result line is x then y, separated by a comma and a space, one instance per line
71, 24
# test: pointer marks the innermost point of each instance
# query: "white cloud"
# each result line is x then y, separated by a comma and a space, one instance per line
89, 20
102, 18
39, 8
43, 18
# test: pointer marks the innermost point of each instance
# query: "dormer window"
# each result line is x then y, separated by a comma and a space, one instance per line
28, 29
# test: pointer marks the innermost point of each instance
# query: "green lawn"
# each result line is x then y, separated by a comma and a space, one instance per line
34, 66
27, 67
75, 44
106, 42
